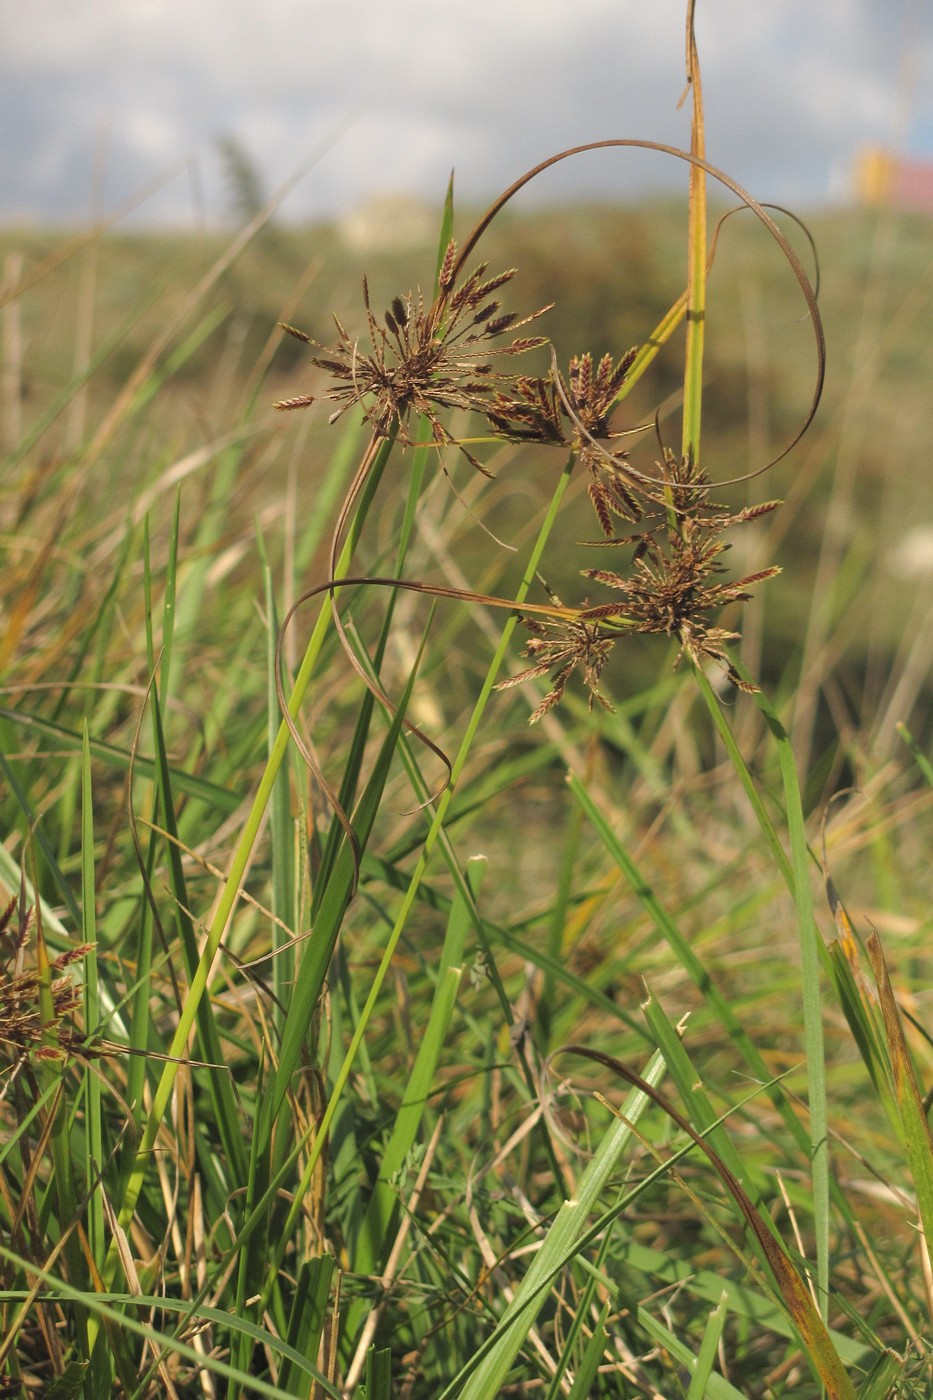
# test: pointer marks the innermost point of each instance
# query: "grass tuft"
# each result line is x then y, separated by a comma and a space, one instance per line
358, 1039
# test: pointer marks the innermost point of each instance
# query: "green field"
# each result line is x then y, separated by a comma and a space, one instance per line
289, 1114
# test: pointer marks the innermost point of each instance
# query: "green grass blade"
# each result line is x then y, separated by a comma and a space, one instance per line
860, 1007
283, 829
570, 853
446, 228
70, 1383
717, 1387
689, 1083
101, 1375
745, 778
696, 261
378, 1375
168, 604
383, 1203
811, 950
881, 1381
38, 836
920, 758
316, 953
706, 1356
215, 797
306, 1322
588, 1370
226, 1115
685, 954
486, 1375
51, 1075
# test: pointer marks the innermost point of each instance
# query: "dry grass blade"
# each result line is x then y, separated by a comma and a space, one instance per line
914, 1123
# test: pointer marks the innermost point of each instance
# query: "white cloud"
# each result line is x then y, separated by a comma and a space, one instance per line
489, 86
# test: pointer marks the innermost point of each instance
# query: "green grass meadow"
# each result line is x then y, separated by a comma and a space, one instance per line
596, 1062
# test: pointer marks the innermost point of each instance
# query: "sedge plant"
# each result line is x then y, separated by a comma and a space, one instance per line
336, 1111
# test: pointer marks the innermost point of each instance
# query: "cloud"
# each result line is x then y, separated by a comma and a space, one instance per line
419, 85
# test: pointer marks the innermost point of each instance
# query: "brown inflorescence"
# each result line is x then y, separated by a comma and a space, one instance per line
423, 358
22, 1029
673, 588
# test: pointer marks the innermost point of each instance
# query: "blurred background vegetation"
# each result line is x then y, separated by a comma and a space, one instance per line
851, 616
136, 366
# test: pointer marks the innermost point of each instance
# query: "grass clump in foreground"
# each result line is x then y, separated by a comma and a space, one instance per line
341, 1108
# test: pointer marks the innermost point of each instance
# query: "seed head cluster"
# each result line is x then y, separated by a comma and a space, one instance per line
676, 582
576, 413
424, 359
22, 1028
673, 588
561, 647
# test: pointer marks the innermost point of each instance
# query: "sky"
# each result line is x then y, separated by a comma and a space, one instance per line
103, 100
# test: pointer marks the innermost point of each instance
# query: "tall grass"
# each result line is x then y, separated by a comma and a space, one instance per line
525, 1061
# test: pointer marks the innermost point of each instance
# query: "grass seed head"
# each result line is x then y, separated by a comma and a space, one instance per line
422, 359
675, 583
561, 646
22, 1030
572, 412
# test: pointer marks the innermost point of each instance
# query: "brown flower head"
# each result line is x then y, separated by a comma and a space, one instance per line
22, 1030
676, 583
424, 358
562, 646
573, 412
531, 412
674, 587
612, 490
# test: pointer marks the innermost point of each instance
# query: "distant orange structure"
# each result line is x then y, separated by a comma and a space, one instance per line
881, 177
